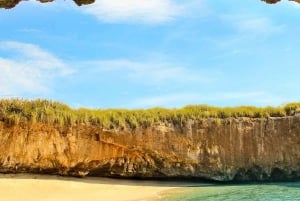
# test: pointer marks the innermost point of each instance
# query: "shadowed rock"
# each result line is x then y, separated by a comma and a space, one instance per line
275, 1
12, 3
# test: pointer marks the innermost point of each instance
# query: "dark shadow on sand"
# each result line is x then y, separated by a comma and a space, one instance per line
140, 182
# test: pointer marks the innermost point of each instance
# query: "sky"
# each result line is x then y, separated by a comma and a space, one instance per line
151, 53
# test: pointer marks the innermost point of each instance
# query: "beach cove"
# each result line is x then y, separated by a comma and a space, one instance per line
29, 187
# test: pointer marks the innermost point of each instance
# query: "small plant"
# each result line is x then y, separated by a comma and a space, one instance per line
16, 111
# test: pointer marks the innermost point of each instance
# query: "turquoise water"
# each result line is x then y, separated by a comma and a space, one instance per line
255, 192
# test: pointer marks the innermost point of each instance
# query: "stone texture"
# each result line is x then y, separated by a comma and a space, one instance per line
12, 3
275, 1
239, 149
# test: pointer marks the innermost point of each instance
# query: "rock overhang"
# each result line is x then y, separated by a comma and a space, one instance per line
12, 3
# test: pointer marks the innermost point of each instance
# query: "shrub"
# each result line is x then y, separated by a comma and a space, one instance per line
15, 111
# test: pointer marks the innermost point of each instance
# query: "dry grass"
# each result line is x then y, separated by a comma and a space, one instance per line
15, 111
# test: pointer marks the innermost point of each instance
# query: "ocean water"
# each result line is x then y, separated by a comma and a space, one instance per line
251, 192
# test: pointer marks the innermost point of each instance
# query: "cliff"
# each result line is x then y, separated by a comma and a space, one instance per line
12, 3
221, 149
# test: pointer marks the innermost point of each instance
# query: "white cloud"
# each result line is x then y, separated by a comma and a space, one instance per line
141, 11
167, 100
258, 25
26, 68
292, 3
151, 73
247, 24
30, 30
248, 32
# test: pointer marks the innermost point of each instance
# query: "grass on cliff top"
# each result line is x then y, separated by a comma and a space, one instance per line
15, 111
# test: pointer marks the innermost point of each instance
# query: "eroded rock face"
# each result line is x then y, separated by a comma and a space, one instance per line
12, 3
275, 1
239, 149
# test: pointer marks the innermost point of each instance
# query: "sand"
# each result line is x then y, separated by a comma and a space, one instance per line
47, 188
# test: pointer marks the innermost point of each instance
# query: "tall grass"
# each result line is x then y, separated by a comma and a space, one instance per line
17, 111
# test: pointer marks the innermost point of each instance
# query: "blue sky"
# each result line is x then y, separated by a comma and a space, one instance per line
148, 53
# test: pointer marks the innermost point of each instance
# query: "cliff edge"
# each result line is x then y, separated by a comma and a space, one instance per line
221, 149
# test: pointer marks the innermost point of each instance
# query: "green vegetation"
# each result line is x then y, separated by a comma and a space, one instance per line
17, 111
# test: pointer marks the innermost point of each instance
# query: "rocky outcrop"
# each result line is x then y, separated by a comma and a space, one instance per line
12, 3
232, 149
275, 1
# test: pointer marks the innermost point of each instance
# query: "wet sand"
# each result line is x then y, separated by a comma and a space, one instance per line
27, 187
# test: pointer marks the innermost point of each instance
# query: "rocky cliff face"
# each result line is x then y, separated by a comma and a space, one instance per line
275, 1
12, 3
239, 149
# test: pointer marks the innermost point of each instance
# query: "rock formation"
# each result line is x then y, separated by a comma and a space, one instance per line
230, 149
275, 1
12, 3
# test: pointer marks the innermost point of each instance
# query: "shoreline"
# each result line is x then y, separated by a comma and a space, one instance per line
32, 187
36, 187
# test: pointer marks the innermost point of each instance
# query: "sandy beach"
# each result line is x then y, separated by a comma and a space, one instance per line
27, 187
